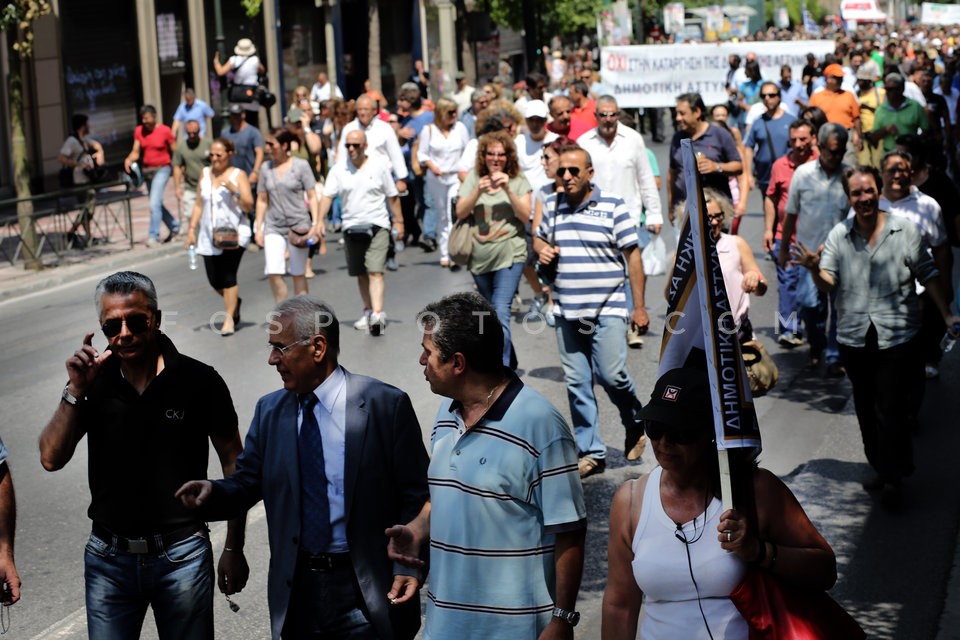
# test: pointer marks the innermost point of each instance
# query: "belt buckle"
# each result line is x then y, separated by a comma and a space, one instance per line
137, 546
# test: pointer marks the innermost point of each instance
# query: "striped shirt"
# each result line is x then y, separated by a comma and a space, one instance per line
592, 238
500, 492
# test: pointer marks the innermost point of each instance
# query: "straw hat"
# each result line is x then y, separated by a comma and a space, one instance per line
245, 47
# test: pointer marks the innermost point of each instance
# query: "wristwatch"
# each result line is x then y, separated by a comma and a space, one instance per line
68, 397
570, 617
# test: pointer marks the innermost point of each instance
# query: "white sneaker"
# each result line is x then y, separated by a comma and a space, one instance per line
363, 324
378, 323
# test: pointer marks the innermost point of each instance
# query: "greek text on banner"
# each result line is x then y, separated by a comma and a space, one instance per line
654, 75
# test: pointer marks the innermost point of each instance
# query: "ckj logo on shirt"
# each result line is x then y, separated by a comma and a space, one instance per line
174, 414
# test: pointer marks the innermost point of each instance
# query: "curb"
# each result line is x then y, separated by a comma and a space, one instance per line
57, 276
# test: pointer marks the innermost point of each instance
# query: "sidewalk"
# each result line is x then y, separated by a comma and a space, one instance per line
74, 264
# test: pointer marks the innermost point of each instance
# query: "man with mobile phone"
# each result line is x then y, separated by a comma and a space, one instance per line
148, 412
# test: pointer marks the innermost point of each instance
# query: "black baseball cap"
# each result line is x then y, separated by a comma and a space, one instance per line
236, 109
680, 405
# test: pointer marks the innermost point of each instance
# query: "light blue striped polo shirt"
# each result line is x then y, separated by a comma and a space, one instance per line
499, 493
592, 238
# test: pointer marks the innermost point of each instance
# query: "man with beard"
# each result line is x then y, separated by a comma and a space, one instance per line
872, 261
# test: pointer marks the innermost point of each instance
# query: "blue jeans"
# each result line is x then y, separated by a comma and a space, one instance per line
429, 223
788, 320
498, 288
177, 583
816, 308
159, 212
589, 349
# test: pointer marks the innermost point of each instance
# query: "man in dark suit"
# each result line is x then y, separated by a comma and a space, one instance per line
329, 572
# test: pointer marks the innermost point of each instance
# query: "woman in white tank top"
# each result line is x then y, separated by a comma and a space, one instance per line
674, 552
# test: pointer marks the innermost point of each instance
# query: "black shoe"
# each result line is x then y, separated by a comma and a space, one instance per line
835, 370
892, 496
428, 245
173, 234
236, 313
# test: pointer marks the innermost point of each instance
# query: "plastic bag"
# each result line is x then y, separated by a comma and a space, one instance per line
655, 257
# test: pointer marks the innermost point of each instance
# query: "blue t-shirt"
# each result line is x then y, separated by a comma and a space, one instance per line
717, 145
246, 140
779, 130
751, 91
417, 124
200, 111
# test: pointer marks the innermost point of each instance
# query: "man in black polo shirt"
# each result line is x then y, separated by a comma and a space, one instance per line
147, 412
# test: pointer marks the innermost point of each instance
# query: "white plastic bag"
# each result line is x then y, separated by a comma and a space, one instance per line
655, 257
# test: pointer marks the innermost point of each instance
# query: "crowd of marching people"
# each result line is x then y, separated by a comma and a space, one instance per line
545, 189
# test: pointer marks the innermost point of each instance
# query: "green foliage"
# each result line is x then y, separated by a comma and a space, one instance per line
252, 7
17, 17
557, 17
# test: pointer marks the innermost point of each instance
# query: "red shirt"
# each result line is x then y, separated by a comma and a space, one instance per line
781, 173
577, 129
586, 115
155, 145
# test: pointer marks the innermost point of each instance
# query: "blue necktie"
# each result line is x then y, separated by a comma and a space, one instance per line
315, 532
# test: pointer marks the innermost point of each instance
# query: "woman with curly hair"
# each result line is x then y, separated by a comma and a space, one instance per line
497, 195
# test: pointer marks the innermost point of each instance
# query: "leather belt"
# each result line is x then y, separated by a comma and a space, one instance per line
324, 562
147, 544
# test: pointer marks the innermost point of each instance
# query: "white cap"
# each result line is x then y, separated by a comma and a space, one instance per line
535, 109
936, 42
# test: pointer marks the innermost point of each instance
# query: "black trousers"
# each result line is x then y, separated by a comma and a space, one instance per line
884, 381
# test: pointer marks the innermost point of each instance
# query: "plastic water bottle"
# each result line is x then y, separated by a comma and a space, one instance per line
950, 338
397, 241
192, 253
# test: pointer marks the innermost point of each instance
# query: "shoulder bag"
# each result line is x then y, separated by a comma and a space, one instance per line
547, 273
762, 371
242, 92
225, 235
777, 610
460, 244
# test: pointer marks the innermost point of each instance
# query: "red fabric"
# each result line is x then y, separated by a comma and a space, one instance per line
779, 188
586, 115
155, 145
777, 610
577, 129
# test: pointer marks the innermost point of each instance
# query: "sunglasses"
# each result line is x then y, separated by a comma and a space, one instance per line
495, 154
769, 95
353, 145
573, 171
608, 114
657, 430
136, 324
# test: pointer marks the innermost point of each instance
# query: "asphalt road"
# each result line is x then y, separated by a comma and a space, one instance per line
893, 567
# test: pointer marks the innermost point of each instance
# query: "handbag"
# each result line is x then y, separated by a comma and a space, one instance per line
547, 273
777, 610
460, 244
300, 236
225, 235
762, 371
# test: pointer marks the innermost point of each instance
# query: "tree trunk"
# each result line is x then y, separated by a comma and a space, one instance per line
373, 46
21, 169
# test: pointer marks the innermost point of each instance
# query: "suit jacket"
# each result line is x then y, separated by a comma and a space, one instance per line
383, 439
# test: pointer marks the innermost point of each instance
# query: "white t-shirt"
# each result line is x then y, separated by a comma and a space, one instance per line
322, 92
73, 149
219, 208
362, 191
529, 154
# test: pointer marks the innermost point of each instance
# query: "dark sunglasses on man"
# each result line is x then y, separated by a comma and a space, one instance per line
136, 324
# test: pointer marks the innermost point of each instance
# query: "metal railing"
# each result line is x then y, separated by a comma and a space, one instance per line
69, 218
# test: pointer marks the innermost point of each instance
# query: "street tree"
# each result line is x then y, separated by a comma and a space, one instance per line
17, 19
